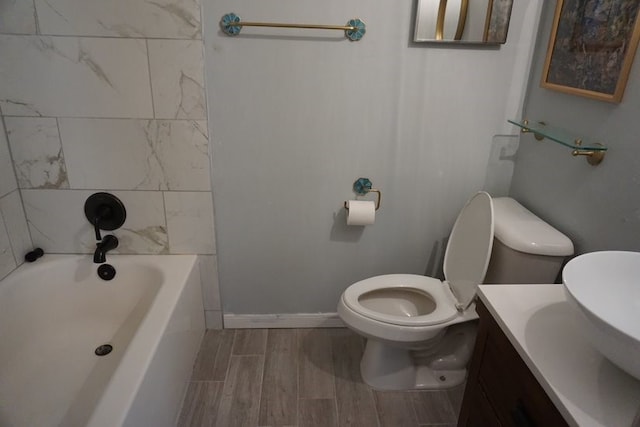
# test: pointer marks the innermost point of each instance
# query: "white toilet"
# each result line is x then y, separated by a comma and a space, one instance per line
420, 331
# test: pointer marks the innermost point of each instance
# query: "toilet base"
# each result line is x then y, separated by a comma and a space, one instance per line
388, 367
429, 379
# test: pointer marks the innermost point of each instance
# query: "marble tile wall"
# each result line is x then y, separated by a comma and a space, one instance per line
99, 96
15, 240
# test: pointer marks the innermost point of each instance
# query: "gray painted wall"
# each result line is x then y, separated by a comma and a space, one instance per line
597, 207
297, 116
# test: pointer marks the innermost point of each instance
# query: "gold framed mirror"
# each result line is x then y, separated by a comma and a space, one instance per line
484, 22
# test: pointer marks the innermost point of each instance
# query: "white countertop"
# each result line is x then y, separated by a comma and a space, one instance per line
587, 389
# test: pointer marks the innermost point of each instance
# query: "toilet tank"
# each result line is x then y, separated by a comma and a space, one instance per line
525, 248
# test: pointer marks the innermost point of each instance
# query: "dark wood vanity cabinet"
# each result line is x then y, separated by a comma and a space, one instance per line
501, 391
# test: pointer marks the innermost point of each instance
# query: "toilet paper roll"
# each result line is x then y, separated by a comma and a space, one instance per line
361, 212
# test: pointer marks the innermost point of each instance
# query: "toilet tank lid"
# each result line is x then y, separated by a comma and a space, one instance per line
521, 230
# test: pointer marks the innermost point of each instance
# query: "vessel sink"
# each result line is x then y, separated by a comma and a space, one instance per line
605, 289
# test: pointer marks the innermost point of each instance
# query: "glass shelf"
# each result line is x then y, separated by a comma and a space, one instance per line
541, 130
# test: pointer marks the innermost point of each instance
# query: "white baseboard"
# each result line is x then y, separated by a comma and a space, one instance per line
293, 320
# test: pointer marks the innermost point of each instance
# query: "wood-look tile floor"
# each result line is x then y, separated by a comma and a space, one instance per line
299, 378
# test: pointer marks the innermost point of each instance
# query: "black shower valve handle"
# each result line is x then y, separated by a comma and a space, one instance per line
103, 212
96, 228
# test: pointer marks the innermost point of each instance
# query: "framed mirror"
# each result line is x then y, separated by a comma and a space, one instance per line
463, 21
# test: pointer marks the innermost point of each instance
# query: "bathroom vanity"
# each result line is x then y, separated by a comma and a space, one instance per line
532, 367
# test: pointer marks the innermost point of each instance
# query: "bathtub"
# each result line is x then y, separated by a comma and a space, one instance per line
55, 312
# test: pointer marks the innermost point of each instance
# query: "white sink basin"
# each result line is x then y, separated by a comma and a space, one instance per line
605, 288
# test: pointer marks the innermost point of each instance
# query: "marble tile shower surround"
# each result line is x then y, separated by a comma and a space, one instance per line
14, 234
37, 152
178, 19
17, 16
172, 19
7, 177
7, 260
74, 77
105, 96
177, 79
148, 154
15, 223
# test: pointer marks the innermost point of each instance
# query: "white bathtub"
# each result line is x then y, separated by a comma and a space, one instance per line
56, 311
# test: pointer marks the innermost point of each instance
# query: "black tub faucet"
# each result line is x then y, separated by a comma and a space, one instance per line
107, 243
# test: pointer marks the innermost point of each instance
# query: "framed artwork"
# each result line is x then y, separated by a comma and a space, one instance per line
591, 48
497, 22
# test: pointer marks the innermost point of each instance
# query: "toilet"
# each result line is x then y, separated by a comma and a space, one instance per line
420, 331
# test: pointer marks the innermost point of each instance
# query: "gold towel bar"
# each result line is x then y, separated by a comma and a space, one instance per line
277, 25
231, 25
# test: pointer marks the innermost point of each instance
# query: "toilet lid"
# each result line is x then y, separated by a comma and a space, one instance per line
469, 248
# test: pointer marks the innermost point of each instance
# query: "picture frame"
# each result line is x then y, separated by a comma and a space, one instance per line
592, 47
497, 22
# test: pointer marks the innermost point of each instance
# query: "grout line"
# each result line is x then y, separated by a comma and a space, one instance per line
264, 350
35, 18
17, 261
6, 231
89, 36
413, 406
298, 357
11, 157
49, 116
233, 343
296, 337
166, 226
184, 401
264, 362
371, 392
375, 405
335, 382
24, 212
215, 359
153, 104
202, 22
115, 189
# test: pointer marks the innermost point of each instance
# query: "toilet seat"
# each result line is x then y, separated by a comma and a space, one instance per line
438, 292
392, 299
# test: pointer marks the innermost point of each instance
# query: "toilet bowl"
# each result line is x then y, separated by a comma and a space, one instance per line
420, 331
403, 316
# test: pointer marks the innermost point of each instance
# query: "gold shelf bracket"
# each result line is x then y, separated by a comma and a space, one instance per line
537, 136
594, 157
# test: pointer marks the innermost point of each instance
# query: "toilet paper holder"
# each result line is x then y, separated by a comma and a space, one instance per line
363, 186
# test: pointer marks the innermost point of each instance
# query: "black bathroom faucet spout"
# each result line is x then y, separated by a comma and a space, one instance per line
107, 243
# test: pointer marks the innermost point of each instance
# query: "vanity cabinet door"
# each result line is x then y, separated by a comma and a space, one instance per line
481, 413
500, 377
